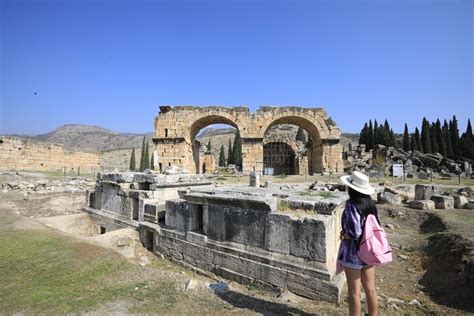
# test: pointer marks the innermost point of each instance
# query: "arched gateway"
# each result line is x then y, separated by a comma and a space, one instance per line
176, 129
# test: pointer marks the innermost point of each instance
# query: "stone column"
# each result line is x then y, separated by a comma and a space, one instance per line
252, 155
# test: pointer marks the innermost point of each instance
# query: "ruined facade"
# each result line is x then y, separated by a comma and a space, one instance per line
28, 155
176, 129
272, 237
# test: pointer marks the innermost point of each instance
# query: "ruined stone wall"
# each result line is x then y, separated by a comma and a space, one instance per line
176, 129
21, 154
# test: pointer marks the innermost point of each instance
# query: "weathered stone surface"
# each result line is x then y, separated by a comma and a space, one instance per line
277, 233
422, 205
443, 202
389, 198
424, 192
182, 215
460, 201
470, 205
118, 177
308, 239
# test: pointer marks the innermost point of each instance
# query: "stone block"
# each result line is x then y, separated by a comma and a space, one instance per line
277, 233
460, 201
182, 215
111, 201
422, 205
308, 239
443, 202
312, 288
389, 198
424, 192
142, 177
118, 177
196, 238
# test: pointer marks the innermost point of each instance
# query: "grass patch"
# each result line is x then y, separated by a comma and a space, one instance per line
42, 272
280, 176
221, 178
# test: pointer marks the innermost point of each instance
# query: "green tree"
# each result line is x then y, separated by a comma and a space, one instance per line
230, 156
413, 145
377, 134
425, 136
133, 165
419, 145
146, 158
439, 138
142, 155
447, 140
301, 136
209, 147
454, 133
406, 139
467, 142
222, 157
370, 137
363, 136
237, 150
434, 138
152, 162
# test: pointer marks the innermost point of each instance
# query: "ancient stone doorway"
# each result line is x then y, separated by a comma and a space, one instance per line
280, 157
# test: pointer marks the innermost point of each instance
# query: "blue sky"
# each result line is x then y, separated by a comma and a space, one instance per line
112, 63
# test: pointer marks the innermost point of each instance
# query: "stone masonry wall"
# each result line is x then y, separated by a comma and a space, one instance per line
176, 129
21, 154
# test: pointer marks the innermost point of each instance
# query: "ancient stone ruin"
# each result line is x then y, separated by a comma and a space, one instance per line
273, 237
176, 129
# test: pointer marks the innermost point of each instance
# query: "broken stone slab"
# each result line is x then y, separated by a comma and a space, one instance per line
460, 201
424, 192
320, 205
389, 198
443, 202
422, 205
118, 177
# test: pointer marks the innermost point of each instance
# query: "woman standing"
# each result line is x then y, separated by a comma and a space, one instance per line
357, 272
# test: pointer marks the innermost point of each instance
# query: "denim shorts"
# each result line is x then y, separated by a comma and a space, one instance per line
352, 265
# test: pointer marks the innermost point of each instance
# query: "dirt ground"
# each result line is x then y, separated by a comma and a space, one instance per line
407, 279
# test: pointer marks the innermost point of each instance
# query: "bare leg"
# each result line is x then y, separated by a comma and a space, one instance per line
368, 282
353, 277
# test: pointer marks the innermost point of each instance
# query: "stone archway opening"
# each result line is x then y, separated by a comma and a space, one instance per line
279, 158
221, 131
308, 154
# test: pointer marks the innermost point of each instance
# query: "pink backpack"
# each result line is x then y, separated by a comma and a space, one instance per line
373, 247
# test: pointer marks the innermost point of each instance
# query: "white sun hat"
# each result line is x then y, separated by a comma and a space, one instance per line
359, 182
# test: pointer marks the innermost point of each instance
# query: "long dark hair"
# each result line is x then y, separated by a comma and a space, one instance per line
365, 204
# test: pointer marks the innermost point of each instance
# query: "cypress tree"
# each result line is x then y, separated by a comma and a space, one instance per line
467, 142
439, 138
376, 134
447, 140
146, 158
300, 135
388, 137
364, 134
230, 157
419, 145
142, 156
132, 161
370, 137
209, 147
237, 150
413, 146
406, 139
152, 162
454, 133
393, 142
434, 138
222, 157
425, 136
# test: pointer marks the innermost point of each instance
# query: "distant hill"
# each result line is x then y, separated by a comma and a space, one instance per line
86, 137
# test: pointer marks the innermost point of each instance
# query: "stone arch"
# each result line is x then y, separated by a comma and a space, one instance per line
314, 130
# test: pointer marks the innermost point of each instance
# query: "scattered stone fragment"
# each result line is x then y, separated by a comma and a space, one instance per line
443, 202
422, 205
403, 257
393, 300
460, 201
414, 302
